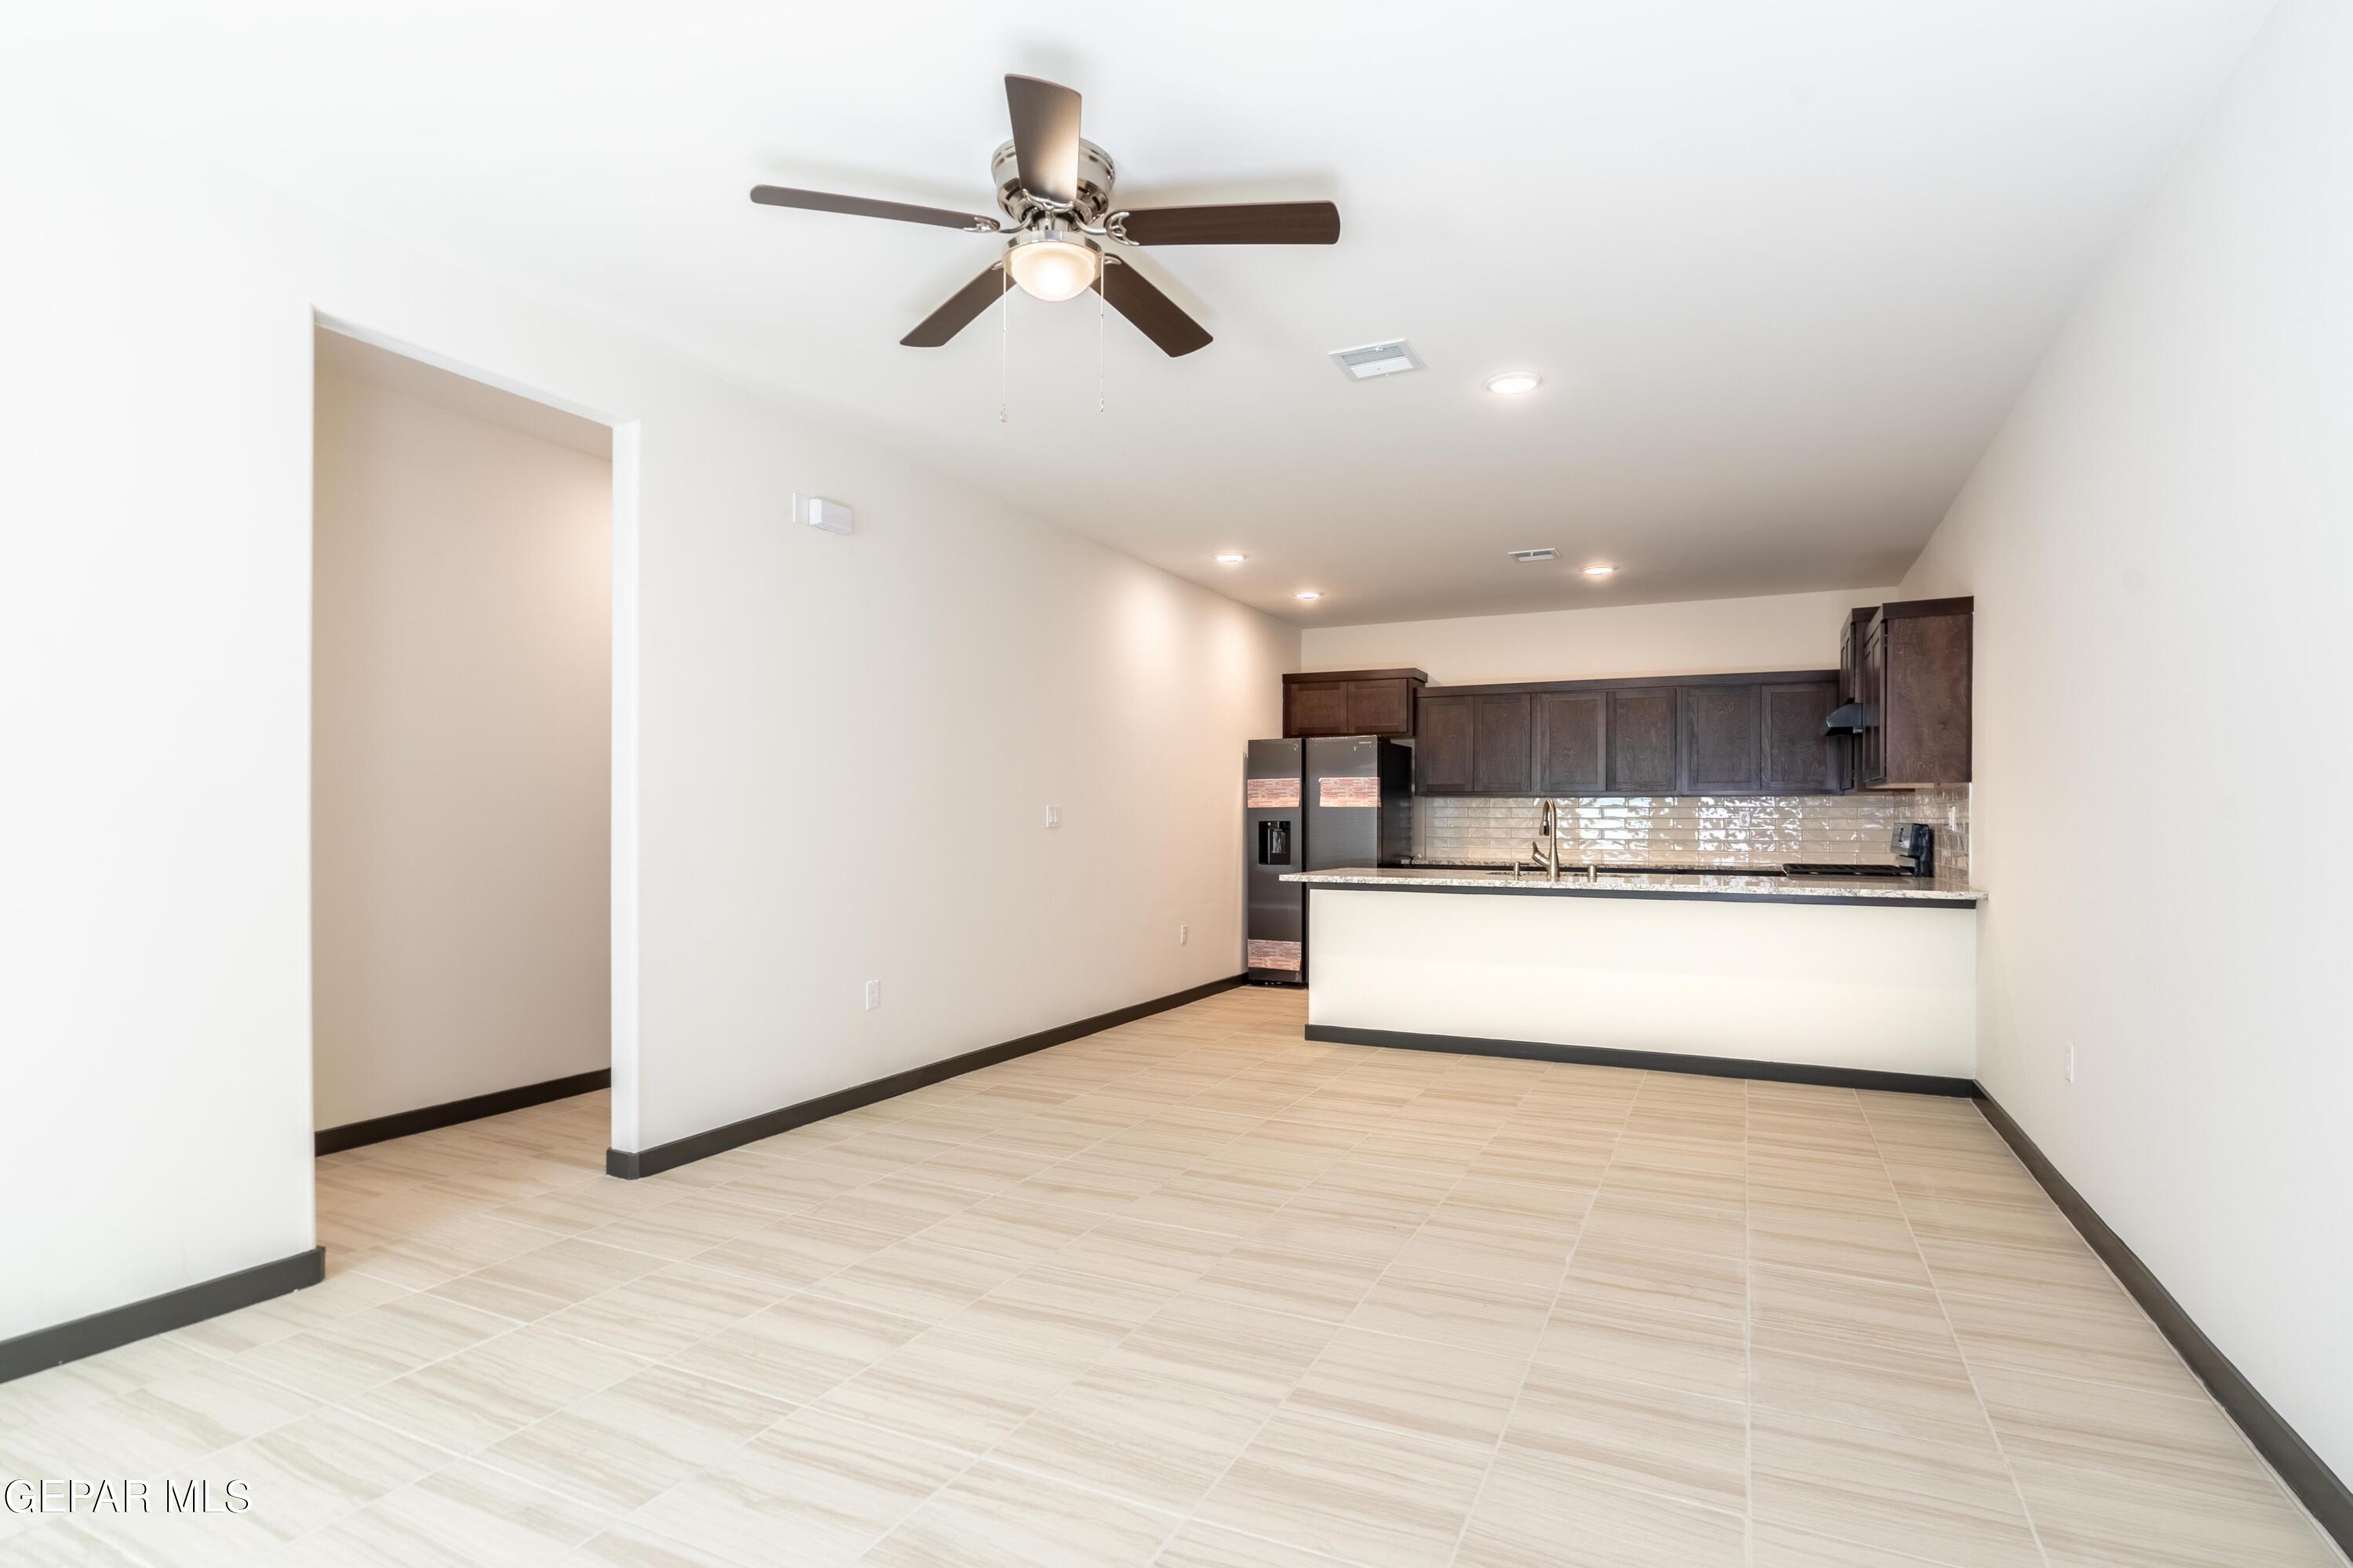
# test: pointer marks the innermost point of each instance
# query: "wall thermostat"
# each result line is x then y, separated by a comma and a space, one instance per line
819, 513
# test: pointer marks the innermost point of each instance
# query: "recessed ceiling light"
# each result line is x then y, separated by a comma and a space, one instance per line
1308, 593
1599, 571
1514, 382
1231, 558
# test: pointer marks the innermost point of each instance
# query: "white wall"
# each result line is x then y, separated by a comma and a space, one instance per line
2159, 545
1779, 631
835, 753
461, 825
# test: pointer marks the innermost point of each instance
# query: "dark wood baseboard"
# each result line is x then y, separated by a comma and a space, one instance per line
1647, 1061
631, 1164
425, 1118
2307, 1475
63, 1342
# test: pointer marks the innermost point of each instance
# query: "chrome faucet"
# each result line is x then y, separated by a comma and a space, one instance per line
1546, 848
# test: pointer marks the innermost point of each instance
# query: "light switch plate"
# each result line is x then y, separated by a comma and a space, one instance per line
1053, 816
830, 516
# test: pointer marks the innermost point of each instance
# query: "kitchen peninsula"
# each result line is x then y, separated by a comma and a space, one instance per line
1815, 979
1770, 868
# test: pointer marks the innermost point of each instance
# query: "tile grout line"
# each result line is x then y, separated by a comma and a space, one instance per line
1187, 1517
484, 1456
815, 1286
971, 1459
2016, 1487
2204, 1395
1528, 1367
989, 1455
1748, 1338
1275, 1409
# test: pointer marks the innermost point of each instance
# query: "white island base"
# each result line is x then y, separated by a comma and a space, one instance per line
1824, 983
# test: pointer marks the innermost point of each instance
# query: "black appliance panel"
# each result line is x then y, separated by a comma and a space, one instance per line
1274, 841
1359, 796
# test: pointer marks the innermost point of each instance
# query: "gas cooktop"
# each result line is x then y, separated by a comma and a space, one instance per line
1803, 868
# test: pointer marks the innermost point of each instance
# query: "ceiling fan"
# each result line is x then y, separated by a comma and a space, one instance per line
1054, 190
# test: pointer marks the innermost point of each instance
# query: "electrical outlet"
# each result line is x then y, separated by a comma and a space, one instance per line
873, 995
2070, 1061
1184, 935
1053, 816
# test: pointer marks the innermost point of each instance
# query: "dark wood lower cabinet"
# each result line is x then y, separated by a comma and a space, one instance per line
1642, 741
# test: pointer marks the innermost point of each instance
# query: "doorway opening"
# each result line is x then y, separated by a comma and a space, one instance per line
461, 789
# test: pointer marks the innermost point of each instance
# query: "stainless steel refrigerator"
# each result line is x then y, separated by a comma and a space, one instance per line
1314, 805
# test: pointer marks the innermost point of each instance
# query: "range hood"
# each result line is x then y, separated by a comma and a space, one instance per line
1848, 719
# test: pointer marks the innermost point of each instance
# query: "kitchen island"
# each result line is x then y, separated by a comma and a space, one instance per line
1866, 981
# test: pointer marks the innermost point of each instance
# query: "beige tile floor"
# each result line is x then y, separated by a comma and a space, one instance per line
1192, 1292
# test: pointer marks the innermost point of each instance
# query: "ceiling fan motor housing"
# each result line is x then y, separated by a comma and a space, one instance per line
1096, 176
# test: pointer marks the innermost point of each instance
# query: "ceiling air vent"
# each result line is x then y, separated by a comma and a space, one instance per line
1376, 360
1530, 557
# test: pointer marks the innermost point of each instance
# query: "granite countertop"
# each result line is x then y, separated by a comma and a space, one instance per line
1930, 891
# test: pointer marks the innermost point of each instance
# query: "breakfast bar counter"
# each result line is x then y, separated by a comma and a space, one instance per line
1869, 982
1930, 892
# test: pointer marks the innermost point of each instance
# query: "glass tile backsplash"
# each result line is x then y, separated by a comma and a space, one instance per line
1729, 831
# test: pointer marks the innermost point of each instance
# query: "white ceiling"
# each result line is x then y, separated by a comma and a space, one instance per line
1784, 266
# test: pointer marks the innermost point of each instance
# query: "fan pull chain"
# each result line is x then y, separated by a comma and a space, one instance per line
1103, 289
1004, 341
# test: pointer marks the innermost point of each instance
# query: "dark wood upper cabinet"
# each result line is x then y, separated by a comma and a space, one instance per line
1871, 671
1442, 746
1351, 702
1380, 708
1316, 708
1851, 638
1765, 734
1800, 758
1642, 741
1723, 740
1499, 745
1846, 746
1572, 739
1916, 679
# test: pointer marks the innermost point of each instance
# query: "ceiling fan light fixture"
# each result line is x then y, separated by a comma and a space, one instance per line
1054, 193
1051, 267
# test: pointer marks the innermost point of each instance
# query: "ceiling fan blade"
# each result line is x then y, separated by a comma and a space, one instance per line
934, 330
1260, 223
1045, 138
1155, 315
865, 206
